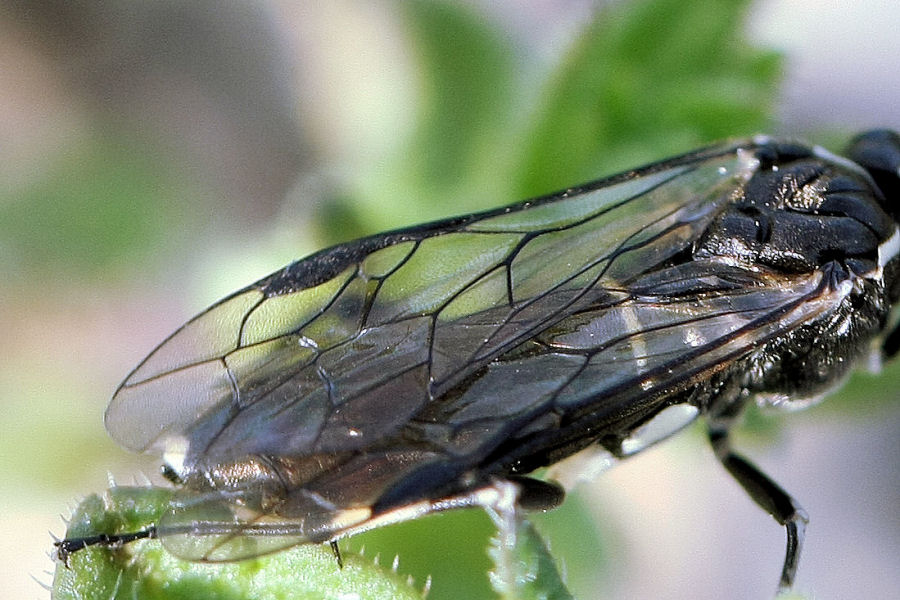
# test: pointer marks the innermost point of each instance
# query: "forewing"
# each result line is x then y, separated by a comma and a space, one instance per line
339, 351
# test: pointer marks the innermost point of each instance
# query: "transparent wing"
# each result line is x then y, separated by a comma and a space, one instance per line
607, 368
226, 525
338, 350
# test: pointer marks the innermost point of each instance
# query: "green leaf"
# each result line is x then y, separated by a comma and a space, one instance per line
447, 548
641, 81
465, 89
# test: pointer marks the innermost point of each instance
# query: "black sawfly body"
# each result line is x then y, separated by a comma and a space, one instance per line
422, 369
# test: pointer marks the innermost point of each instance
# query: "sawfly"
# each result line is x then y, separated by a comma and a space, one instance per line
428, 368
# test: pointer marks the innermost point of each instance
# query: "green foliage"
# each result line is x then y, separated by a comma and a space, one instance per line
454, 161
95, 209
466, 79
646, 80
641, 81
522, 568
448, 547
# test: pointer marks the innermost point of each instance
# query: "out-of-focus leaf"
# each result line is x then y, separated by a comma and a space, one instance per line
645, 80
641, 81
465, 90
99, 205
450, 165
586, 548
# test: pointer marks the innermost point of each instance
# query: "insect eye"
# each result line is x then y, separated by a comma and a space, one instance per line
878, 152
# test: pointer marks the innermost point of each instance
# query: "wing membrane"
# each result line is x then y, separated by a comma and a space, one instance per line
618, 361
347, 349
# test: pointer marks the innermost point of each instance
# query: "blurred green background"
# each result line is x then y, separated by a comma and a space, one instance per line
156, 156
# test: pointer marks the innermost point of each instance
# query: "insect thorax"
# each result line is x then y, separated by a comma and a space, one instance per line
809, 216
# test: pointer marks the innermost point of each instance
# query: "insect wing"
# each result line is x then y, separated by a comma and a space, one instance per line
360, 368
626, 359
226, 525
426, 305
220, 527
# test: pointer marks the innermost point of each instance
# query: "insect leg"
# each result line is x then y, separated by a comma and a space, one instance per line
535, 494
770, 496
891, 343
65, 548
337, 553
